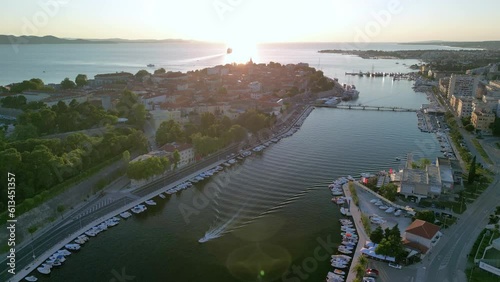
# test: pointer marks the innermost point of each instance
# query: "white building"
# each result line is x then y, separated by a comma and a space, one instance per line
255, 86
463, 85
186, 152
421, 236
160, 116
150, 101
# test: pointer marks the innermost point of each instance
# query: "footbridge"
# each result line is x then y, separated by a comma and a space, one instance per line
368, 108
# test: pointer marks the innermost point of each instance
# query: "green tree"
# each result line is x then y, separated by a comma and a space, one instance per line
176, 157
126, 156
238, 133
16, 102
67, 84
377, 235
169, 131
25, 131
129, 107
426, 215
81, 80
472, 171
389, 191
141, 74
160, 71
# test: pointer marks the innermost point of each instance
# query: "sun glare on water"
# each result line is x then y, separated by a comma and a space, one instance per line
242, 51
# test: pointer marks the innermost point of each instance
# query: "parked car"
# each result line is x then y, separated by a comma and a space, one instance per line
371, 270
395, 265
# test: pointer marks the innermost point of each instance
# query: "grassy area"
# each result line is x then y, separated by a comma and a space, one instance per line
46, 195
474, 273
360, 268
354, 194
366, 224
481, 151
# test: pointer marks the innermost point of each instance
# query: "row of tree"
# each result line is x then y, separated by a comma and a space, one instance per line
147, 168
213, 133
39, 164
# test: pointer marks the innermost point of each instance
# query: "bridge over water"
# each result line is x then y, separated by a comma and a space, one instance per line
368, 108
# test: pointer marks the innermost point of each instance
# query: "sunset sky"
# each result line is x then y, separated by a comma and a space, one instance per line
256, 21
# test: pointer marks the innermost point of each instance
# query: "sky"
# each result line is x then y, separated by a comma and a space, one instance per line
256, 21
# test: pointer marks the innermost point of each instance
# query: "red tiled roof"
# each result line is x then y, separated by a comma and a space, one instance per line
423, 229
415, 246
173, 146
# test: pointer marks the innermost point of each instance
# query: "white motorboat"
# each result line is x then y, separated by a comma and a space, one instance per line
345, 251
378, 203
31, 278
43, 270
63, 252
125, 215
79, 241
90, 233
138, 209
336, 192
373, 201
383, 207
339, 264
72, 247
161, 196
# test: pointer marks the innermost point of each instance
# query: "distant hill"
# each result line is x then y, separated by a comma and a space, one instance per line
49, 39
489, 45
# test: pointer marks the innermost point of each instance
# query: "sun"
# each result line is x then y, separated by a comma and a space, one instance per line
243, 49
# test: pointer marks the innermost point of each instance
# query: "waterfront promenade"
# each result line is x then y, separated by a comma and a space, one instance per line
362, 236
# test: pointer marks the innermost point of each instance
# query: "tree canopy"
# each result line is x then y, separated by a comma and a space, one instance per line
147, 168
81, 80
130, 108
168, 132
67, 84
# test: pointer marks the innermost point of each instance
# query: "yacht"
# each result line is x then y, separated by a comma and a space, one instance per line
125, 215
339, 272
44, 270
72, 247
150, 202
150, 65
138, 209
31, 278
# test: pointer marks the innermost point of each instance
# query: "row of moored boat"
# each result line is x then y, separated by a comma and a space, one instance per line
341, 261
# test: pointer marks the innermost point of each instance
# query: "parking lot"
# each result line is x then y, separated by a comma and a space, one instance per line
371, 209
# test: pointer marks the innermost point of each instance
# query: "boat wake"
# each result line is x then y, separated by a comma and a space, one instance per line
217, 232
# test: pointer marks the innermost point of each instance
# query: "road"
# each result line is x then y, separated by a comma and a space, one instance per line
448, 260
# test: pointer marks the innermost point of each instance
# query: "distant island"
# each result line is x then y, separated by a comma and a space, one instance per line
488, 45
49, 39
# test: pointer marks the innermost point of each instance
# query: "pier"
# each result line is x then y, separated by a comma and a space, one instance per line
368, 108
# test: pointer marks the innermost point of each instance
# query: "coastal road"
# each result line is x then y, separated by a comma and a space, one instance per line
448, 260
